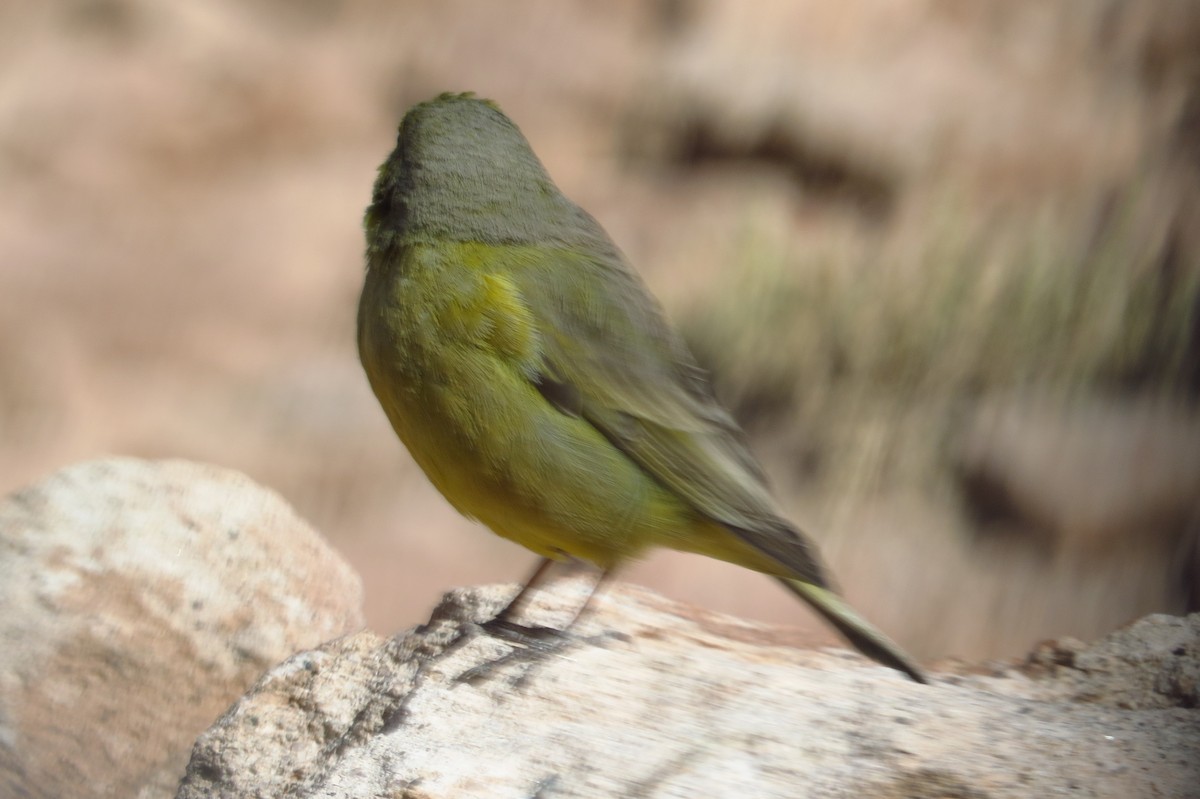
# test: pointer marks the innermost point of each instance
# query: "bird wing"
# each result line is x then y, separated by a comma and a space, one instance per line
609, 356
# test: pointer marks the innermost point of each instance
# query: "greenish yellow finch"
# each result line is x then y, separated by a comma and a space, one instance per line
535, 379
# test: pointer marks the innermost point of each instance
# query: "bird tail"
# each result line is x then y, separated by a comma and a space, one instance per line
857, 630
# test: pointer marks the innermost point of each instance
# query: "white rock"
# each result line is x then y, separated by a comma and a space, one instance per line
658, 700
137, 600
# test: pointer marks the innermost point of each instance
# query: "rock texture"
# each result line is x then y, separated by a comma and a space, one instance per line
137, 600
181, 234
652, 699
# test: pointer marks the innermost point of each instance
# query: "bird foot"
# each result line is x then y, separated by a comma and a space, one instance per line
530, 645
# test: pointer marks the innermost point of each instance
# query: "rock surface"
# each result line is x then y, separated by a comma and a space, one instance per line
181, 229
137, 600
655, 699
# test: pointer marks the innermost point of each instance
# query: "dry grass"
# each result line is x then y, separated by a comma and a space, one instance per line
905, 330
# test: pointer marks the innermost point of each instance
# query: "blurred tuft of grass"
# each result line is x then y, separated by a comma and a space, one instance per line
862, 352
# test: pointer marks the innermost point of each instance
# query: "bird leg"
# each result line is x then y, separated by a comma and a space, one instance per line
504, 624
509, 612
530, 642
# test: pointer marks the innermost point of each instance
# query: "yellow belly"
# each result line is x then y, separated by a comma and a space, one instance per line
451, 382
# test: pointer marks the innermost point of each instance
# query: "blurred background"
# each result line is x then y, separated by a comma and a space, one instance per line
942, 260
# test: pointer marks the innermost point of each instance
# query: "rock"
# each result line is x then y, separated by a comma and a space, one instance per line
1087, 473
656, 699
1153, 664
871, 101
137, 600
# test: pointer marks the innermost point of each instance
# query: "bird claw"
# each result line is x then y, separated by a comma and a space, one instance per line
531, 637
529, 645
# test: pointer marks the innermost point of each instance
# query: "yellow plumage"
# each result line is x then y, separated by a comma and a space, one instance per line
535, 380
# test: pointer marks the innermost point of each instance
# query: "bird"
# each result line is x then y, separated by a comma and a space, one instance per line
537, 382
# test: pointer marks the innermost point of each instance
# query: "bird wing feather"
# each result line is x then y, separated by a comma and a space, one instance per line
604, 337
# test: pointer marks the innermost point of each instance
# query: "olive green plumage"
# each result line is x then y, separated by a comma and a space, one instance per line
535, 379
